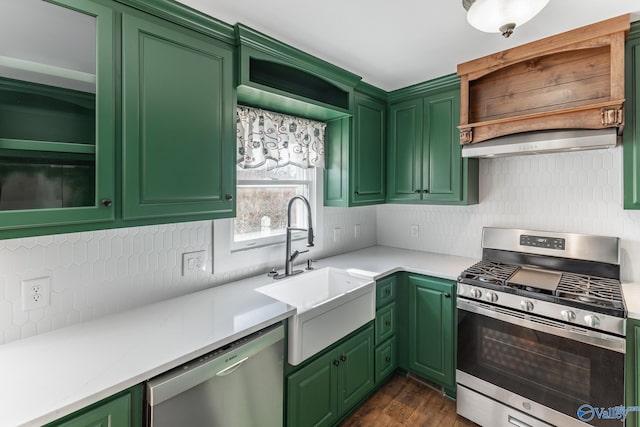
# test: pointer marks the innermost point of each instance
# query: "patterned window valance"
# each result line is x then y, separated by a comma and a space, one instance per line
265, 135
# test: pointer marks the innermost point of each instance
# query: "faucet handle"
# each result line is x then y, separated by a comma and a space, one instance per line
309, 266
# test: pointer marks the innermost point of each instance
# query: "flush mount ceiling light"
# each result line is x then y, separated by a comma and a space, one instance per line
501, 16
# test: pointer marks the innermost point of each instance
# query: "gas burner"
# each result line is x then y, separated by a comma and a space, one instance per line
590, 289
489, 272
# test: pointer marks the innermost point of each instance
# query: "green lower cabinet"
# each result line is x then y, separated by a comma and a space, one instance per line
385, 323
632, 371
431, 341
121, 410
322, 391
386, 359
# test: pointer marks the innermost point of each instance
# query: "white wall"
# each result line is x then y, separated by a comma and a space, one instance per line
101, 272
578, 192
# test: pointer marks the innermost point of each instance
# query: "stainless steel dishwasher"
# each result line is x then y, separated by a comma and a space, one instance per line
240, 384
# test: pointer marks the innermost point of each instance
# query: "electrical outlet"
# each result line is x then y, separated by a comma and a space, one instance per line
337, 235
356, 231
193, 262
415, 231
36, 293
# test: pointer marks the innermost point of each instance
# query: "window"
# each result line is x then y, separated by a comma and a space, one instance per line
262, 197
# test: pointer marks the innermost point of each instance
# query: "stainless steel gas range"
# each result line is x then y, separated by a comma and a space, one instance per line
541, 324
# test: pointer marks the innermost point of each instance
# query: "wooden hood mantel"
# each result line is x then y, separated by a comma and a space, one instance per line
573, 80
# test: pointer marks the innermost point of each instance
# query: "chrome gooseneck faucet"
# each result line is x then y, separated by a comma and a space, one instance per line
290, 257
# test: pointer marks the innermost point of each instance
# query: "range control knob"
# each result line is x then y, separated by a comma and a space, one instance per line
476, 293
568, 315
592, 320
491, 296
526, 305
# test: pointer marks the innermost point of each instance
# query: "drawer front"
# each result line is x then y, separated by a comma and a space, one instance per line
385, 291
385, 323
386, 359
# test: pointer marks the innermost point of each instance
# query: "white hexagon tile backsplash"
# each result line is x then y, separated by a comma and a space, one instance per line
579, 192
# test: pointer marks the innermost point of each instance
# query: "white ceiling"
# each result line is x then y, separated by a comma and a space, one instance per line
393, 44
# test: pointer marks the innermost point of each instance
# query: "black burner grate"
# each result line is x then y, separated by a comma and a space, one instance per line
590, 289
491, 272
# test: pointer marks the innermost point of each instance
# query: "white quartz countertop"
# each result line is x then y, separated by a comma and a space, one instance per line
51, 375
48, 376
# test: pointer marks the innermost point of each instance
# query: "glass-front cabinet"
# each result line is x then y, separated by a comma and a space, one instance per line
56, 113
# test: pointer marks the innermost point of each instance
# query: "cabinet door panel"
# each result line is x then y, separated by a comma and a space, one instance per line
114, 413
356, 373
431, 309
368, 152
631, 135
57, 144
405, 151
442, 168
312, 394
386, 360
178, 106
336, 175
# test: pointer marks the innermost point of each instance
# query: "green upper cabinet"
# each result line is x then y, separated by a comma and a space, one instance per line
431, 338
631, 134
178, 122
425, 163
278, 77
56, 123
355, 153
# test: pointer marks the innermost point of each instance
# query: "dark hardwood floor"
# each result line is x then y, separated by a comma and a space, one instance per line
404, 401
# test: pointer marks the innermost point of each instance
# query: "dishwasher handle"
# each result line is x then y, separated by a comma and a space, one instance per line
231, 369
218, 363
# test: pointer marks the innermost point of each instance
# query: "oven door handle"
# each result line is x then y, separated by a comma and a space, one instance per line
545, 325
516, 422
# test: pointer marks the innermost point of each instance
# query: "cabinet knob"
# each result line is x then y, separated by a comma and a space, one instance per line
336, 362
425, 191
387, 323
343, 358
447, 295
228, 197
387, 292
418, 191
106, 203
387, 359
356, 193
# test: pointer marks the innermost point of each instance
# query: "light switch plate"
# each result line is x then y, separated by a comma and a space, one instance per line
193, 262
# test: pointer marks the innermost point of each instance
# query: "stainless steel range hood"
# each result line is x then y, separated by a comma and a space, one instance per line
543, 142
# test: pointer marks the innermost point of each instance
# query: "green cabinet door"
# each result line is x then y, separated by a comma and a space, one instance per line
404, 151
366, 168
355, 155
312, 393
356, 370
56, 144
631, 135
121, 410
632, 370
425, 163
332, 383
431, 329
178, 122
441, 163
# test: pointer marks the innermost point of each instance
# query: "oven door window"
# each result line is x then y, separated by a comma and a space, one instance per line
556, 372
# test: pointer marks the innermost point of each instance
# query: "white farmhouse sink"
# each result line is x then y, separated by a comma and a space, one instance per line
330, 303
